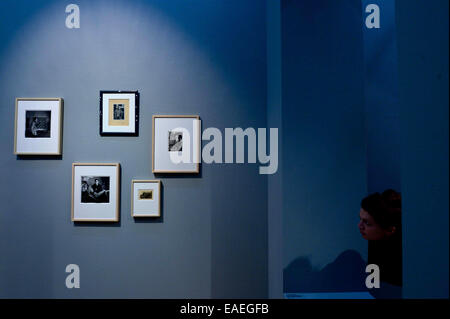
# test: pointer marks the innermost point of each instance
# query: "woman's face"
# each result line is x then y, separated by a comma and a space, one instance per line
369, 229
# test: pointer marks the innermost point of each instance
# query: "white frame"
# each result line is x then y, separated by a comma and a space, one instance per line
38, 146
105, 212
146, 208
161, 162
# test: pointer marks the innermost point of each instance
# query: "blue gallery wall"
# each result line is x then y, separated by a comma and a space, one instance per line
275, 181
324, 174
382, 119
329, 86
422, 35
185, 57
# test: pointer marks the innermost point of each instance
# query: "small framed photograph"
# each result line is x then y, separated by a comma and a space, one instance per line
95, 192
146, 198
38, 126
119, 113
176, 144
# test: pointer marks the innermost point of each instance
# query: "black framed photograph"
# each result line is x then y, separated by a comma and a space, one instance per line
38, 126
119, 113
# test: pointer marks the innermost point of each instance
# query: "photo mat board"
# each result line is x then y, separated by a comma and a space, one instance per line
38, 126
119, 113
146, 198
95, 192
176, 144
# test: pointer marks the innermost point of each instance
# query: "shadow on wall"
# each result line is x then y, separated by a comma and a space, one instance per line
345, 274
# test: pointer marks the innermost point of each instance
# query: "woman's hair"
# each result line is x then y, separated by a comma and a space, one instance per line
385, 208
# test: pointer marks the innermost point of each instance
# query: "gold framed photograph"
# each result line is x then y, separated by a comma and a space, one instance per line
95, 192
176, 144
38, 126
146, 198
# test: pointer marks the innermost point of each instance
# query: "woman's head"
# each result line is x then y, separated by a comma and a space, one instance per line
380, 215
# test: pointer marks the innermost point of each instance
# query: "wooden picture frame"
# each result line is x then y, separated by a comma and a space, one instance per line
95, 192
145, 206
38, 126
164, 142
119, 113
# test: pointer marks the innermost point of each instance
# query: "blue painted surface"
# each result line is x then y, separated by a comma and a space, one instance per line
382, 117
339, 125
184, 57
274, 119
422, 35
324, 148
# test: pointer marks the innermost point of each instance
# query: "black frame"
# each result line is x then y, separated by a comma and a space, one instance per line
136, 120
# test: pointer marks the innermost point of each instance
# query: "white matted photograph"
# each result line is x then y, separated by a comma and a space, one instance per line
176, 144
146, 198
38, 126
95, 192
119, 113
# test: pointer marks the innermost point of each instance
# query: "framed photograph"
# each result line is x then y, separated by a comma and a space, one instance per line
119, 113
176, 144
38, 126
145, 198
95, 192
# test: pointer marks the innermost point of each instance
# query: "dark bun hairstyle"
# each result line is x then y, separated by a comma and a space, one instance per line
385, 208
